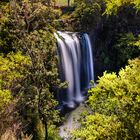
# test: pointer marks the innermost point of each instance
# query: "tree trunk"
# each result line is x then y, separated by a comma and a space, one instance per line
46, 129
68, 2
39, 132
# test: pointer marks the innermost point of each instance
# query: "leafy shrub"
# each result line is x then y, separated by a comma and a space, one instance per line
115, 104
12, 70
53, 133
86, 14
26, 26
113, 6
128, 47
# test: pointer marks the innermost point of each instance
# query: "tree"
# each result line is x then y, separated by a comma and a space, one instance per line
114, 103
13, 70
112, 7
68, 2
86, 15
26, 27
39, 86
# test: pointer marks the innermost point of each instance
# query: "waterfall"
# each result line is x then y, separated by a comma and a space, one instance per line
76, 66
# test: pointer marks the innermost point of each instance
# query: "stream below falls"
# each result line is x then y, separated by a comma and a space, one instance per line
71, 122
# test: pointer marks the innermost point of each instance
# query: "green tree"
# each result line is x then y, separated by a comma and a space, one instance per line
86, 15
113, 6
128, 47
38, 97
114, 104
26, 26
13, 69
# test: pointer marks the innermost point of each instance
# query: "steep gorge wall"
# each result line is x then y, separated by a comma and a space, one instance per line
110, 53
105, 36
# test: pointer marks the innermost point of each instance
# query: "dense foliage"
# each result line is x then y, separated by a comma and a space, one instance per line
12, 70
115, 104
108, 22
86, 15
29, 76
112, 7
26, 26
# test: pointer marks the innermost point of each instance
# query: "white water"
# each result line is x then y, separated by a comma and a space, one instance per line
76, 57
71, 122
89, 67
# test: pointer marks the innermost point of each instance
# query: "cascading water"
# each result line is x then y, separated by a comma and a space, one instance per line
76, 64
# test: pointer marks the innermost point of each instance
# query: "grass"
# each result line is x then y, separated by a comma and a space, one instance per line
64, 2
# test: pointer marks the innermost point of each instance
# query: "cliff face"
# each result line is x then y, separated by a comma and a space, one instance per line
110, 34
110, 50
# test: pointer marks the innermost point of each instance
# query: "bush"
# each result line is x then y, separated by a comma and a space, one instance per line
115, 104
12, 70
86, 15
